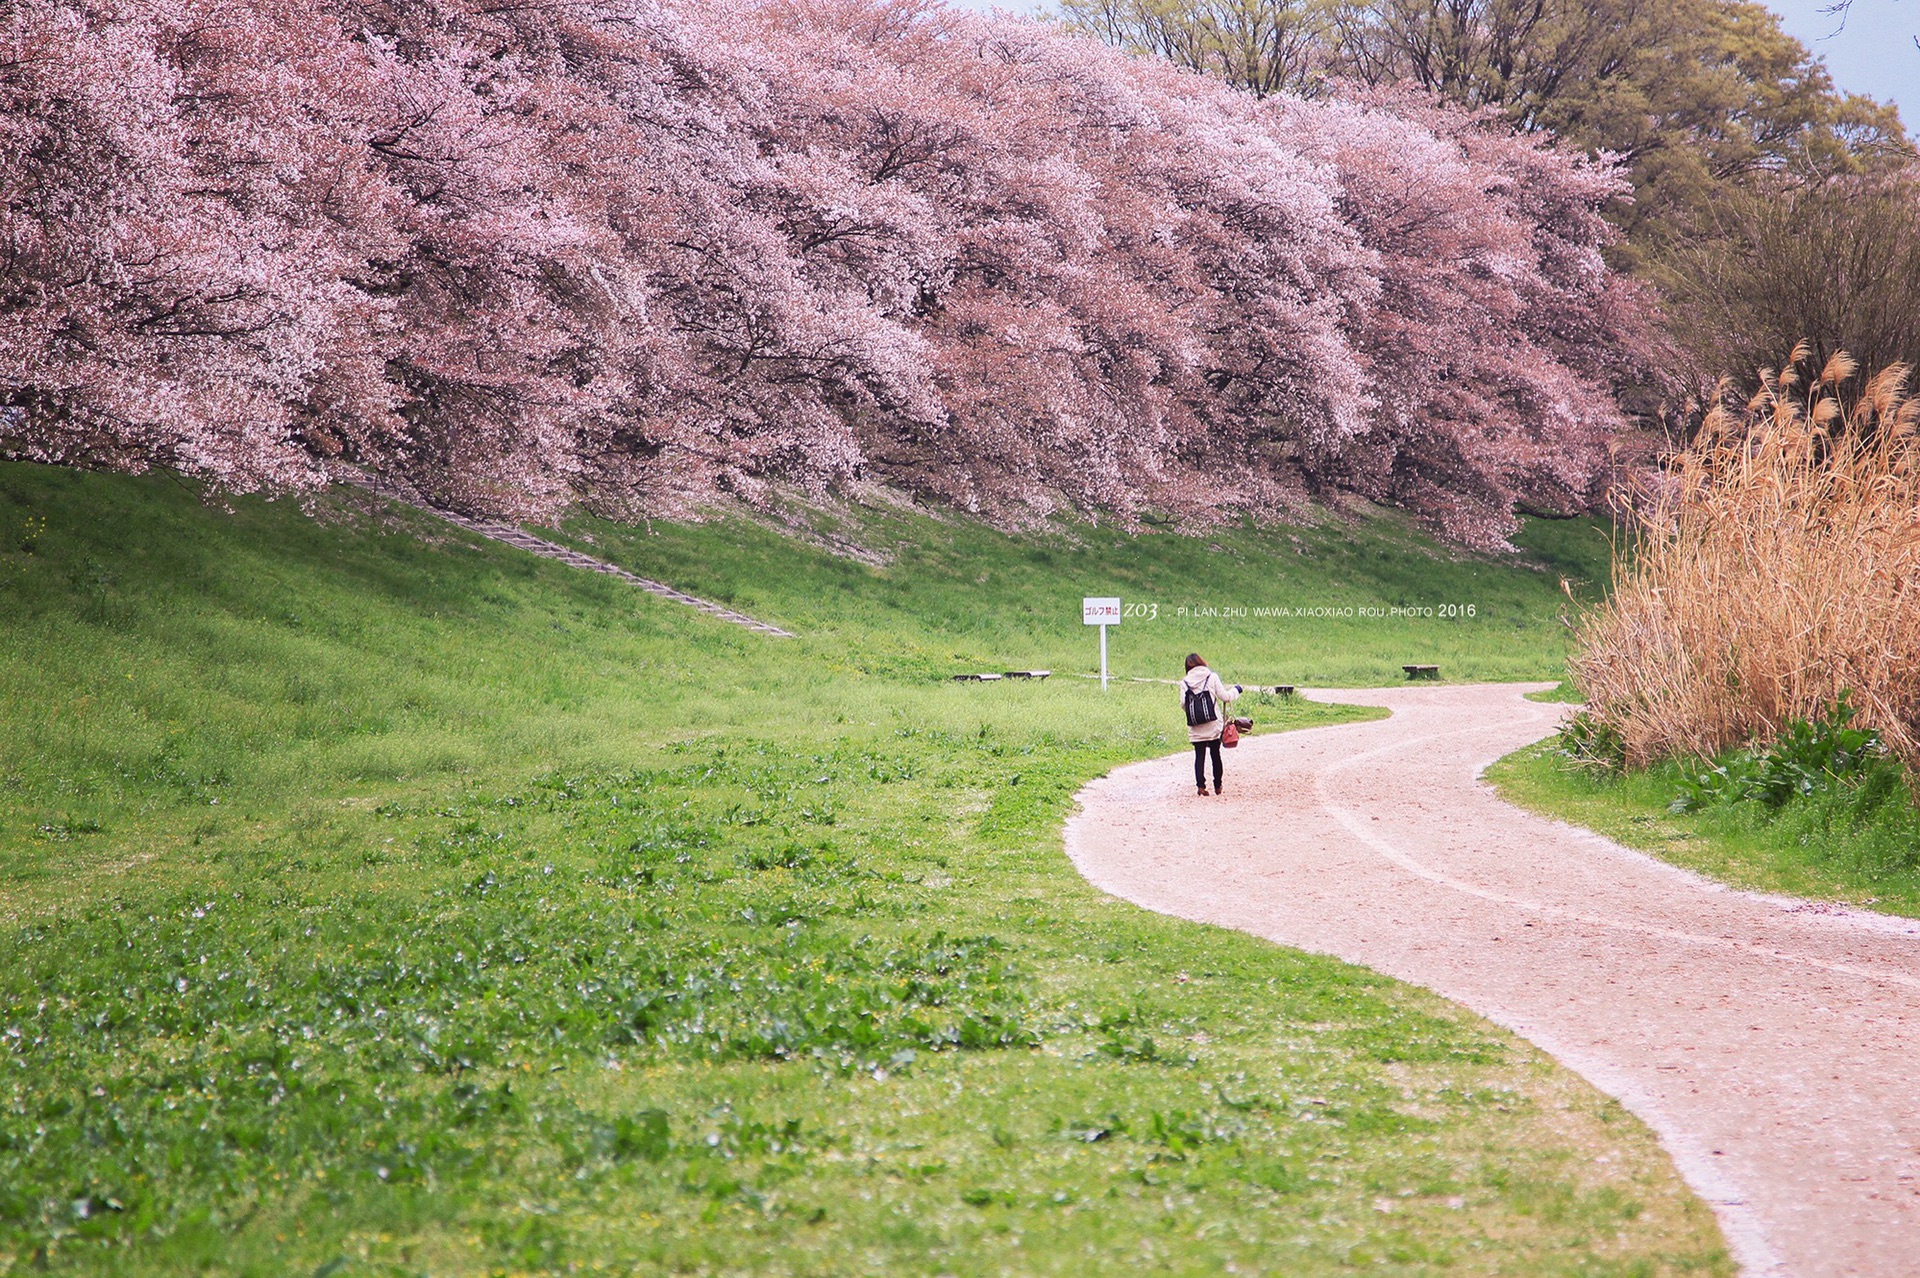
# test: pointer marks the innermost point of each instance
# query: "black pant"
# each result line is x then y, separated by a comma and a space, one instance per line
1200, 751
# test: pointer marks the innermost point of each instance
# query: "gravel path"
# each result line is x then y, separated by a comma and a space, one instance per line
1773, 1044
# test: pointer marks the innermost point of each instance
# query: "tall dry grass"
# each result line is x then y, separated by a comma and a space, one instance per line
1776, 564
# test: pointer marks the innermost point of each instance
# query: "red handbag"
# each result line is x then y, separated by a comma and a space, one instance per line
1230, 735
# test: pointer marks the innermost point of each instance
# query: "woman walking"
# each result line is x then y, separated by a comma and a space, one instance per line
1204, 698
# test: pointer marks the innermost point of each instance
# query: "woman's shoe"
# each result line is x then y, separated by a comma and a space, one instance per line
1216, 787
1203, 792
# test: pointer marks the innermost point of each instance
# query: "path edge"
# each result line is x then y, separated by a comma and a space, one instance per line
1745, 1239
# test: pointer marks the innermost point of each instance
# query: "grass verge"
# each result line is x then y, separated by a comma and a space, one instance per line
374, 900
1857, 843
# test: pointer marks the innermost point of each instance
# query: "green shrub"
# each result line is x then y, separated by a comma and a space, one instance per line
1592, 742
1810, 757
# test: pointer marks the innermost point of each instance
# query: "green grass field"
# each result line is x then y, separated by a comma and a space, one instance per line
1859, 843
374, 900
955, 596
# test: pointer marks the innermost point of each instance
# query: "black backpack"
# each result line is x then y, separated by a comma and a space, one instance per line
1199, 704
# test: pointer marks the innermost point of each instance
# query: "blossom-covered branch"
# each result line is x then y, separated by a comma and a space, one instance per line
638, 255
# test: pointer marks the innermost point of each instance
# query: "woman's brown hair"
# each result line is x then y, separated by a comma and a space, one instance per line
1194, 659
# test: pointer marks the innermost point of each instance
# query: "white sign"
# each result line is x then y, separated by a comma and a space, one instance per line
1102, 613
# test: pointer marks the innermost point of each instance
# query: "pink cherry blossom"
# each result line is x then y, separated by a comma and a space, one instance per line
639, 254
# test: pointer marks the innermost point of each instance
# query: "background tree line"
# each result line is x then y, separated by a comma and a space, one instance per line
1767, 205
639, 256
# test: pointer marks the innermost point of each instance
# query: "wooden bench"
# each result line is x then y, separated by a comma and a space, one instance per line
1422, 672
977, 678
1028, 674
1280, 690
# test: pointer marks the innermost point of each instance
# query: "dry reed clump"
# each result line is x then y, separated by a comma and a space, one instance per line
1777, 565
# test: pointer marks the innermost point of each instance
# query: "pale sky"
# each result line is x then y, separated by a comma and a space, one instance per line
1871, 52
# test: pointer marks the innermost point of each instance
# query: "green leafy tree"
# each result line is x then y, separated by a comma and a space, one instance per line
1690, 94
1709, 97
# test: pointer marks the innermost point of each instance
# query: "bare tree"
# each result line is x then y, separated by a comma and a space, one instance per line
1832, 263
1515, 54
1264, 46
1841, 8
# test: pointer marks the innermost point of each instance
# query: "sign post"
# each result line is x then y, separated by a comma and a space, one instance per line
1101, 612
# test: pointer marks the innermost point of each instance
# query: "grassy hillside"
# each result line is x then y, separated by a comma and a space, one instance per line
953, 595
374, 900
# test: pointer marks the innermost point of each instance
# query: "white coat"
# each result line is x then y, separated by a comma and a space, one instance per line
1197, 679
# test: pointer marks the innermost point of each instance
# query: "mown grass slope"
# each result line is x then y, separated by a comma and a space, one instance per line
1343, 602
374, 900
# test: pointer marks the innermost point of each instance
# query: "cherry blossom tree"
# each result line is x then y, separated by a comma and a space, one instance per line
1499, 326
638, 255
168, 294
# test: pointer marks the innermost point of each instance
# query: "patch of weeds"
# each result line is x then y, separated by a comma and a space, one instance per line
70, 828
1092, 1131
1566, 692
1136, 1049
1809, 757
27, 538
1852, 836
1181, 1133
1592, 742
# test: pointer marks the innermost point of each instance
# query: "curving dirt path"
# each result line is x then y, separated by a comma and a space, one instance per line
1773, 1044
